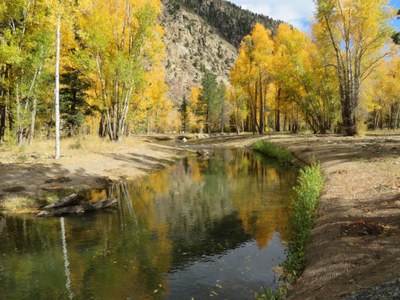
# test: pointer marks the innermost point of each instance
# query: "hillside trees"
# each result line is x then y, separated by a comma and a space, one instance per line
356, 32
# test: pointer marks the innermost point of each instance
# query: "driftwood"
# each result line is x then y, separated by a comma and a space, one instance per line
77, 209
67, 201
99, 205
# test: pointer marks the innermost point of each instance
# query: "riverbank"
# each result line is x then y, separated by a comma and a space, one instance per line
354, 247
31, 177
355, 244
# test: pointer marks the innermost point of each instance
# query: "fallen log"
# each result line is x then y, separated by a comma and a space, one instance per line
77, 209
99, 205
67, 201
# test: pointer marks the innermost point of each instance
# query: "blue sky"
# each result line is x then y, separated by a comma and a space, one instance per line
296, 12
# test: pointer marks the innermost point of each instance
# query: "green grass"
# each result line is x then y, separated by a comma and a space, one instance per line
302, 217
281, 154
272, 294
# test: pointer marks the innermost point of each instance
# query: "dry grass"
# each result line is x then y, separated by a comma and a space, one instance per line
43, 149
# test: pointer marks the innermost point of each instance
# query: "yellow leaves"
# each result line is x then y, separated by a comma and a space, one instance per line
194, 121
194, 95
382, 89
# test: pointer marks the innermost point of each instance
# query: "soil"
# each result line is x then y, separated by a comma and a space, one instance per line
28, 185
354, 248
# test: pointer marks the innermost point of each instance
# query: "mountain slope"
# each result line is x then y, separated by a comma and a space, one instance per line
231, 21
203, 33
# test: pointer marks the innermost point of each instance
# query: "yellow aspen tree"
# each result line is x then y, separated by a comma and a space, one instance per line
302, 75
196, 123
356, 31
253, 72
238, 100
381, 96
120, 36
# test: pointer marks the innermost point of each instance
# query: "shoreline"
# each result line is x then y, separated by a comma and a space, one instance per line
28, 185
355, 243
354, 247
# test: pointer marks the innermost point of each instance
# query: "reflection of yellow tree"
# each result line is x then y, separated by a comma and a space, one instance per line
132, 262
260, 217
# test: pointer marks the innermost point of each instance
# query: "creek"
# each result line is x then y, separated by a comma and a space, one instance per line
200, 229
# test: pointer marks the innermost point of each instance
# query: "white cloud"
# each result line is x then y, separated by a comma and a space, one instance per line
296, 12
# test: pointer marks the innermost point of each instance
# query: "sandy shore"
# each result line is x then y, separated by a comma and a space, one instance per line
355, 245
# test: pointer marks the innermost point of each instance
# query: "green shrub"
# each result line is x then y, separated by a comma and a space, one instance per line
279, 153
302, 213
302, 216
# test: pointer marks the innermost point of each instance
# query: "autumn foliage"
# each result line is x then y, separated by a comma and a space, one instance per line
112, 72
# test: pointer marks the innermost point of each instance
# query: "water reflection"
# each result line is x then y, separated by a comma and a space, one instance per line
198, 229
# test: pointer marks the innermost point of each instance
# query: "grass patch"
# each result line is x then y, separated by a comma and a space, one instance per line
19, 205
272, 294
281, 154
302, 217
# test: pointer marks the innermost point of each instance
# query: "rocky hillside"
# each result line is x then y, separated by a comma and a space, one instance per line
231, 21
203, 33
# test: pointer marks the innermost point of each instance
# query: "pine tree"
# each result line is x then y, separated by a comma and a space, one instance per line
185, 115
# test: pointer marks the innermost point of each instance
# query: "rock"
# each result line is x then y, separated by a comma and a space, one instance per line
58, 180
203, 153
202, 136
190, 45
14, 189
184, 140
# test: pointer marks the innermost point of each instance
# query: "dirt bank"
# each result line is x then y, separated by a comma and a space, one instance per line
30, 177
355, 245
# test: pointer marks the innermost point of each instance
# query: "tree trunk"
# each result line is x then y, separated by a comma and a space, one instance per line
57, 89
277, 111
349, 117
33, 120
396, 119
261, 120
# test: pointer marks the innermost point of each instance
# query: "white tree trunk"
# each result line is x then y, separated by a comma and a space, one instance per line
57, 89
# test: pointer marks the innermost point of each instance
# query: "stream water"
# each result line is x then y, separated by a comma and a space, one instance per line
201, 229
